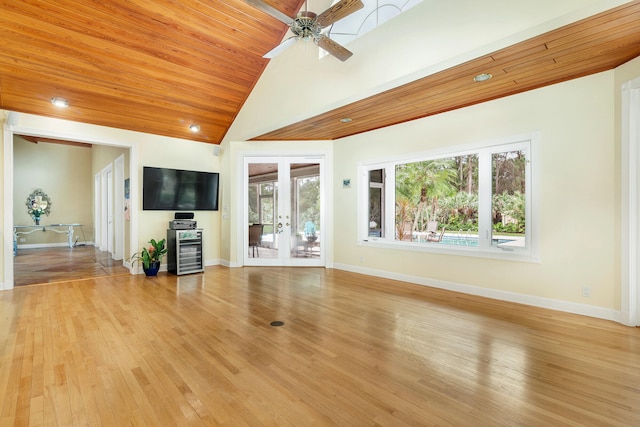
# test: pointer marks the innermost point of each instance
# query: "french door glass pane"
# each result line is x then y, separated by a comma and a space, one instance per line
262, 207
283, 203
254, 216
305, 210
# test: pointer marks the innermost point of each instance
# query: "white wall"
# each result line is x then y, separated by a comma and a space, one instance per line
579, 153
145, 150
576, 121
233, 198
180, 154
63, 172
577, 207
430, 37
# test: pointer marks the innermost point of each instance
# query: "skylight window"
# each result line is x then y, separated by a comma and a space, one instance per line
372, 15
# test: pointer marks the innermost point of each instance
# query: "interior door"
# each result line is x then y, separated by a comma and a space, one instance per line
283, 211
105, 205
97, 211
118, 208
110, 211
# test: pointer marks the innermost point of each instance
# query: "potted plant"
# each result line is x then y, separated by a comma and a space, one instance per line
151, 257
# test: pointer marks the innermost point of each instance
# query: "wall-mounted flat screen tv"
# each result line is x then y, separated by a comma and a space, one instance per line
179, 190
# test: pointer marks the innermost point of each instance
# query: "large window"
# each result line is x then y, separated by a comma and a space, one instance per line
474, 201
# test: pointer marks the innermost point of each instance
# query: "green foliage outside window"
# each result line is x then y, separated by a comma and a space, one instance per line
446, 191
309, 201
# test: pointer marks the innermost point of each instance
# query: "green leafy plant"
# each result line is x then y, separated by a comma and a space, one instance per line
150, 254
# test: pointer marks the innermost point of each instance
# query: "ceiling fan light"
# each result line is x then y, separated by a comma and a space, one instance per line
60, 102
482, 77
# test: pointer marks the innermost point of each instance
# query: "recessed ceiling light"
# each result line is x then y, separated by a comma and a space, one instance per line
194, 128
59, 102
482, 77
346, 120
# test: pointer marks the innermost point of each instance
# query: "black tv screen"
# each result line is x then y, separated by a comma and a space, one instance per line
177, 190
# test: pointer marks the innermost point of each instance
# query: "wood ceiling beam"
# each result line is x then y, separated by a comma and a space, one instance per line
37, 139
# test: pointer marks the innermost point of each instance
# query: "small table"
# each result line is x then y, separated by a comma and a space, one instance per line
58, 228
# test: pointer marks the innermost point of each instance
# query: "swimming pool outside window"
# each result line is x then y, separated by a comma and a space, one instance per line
477, 200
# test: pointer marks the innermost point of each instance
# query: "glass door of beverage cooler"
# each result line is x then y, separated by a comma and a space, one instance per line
184, 251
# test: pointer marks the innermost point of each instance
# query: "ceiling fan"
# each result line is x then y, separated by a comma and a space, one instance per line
307, 25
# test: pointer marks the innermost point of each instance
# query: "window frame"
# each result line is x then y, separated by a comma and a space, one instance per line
484, 149
381, 187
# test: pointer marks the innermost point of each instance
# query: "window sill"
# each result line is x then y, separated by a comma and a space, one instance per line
521, 255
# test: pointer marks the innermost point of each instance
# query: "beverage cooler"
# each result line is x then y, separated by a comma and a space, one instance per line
184, 251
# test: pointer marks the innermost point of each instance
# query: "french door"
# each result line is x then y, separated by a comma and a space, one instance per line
283, 213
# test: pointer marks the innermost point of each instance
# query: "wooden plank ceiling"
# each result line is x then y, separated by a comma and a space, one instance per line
143, 65
599, 43
158, 66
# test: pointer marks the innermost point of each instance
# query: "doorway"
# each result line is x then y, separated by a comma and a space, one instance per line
283, 211
20, 124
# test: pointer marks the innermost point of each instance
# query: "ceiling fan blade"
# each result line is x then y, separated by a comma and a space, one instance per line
281, 47
270, 10
338, 11
333, 48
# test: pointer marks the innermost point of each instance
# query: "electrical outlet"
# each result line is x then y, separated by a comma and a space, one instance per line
586, 291
22, 240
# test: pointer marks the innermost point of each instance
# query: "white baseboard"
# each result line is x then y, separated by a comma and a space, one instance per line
51, 245
553, 304
227, 263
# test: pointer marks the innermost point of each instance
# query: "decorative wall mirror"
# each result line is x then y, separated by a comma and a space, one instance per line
38, 204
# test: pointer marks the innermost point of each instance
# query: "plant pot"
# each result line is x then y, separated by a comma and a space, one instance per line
153, 268
37, 221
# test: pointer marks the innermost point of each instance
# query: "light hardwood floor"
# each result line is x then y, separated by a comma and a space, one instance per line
354, 350
47, 265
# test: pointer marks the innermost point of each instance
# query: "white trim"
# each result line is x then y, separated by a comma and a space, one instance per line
296, 149
630, 204
118, 206
49, 128
49, 245
513, 297
7, 226
451, 151
530, 253
105, 207
97, 202
283, 203
210, 262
